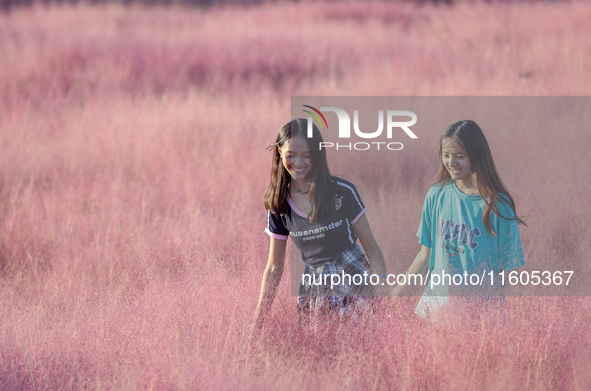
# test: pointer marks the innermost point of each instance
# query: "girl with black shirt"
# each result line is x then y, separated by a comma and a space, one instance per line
324, 216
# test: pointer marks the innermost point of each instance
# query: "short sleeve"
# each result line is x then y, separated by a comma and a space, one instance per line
424, 233
352, 205
509, 239
275, 227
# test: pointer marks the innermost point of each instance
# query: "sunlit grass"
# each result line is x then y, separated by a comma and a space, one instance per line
133, 168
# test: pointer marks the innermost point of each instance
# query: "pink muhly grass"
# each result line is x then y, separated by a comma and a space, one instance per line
133, 168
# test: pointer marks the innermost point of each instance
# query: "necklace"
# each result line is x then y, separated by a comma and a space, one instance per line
465, 191
300, 191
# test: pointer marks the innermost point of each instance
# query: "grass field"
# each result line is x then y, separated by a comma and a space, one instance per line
133, 168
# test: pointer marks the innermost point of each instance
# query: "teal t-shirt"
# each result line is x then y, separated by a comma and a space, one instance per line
452, 227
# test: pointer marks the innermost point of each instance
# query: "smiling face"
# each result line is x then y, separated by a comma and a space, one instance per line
456, 160
295, 156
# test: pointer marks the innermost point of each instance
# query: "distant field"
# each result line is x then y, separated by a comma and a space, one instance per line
133, 168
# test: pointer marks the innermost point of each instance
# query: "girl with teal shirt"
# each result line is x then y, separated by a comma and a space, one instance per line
469, 228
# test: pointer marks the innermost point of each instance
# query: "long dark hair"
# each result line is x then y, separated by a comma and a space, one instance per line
492, 190
322, 187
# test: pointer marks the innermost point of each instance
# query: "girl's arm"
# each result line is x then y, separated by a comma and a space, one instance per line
271, 280
419, 266
370, 246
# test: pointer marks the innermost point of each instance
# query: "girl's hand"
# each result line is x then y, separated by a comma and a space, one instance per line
271, 280
420, 265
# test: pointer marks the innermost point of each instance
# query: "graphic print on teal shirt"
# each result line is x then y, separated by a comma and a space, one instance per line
450, 231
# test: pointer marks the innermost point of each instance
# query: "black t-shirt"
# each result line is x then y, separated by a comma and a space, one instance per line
325, 239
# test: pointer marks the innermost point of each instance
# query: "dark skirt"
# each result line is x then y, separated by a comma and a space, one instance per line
341, 286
